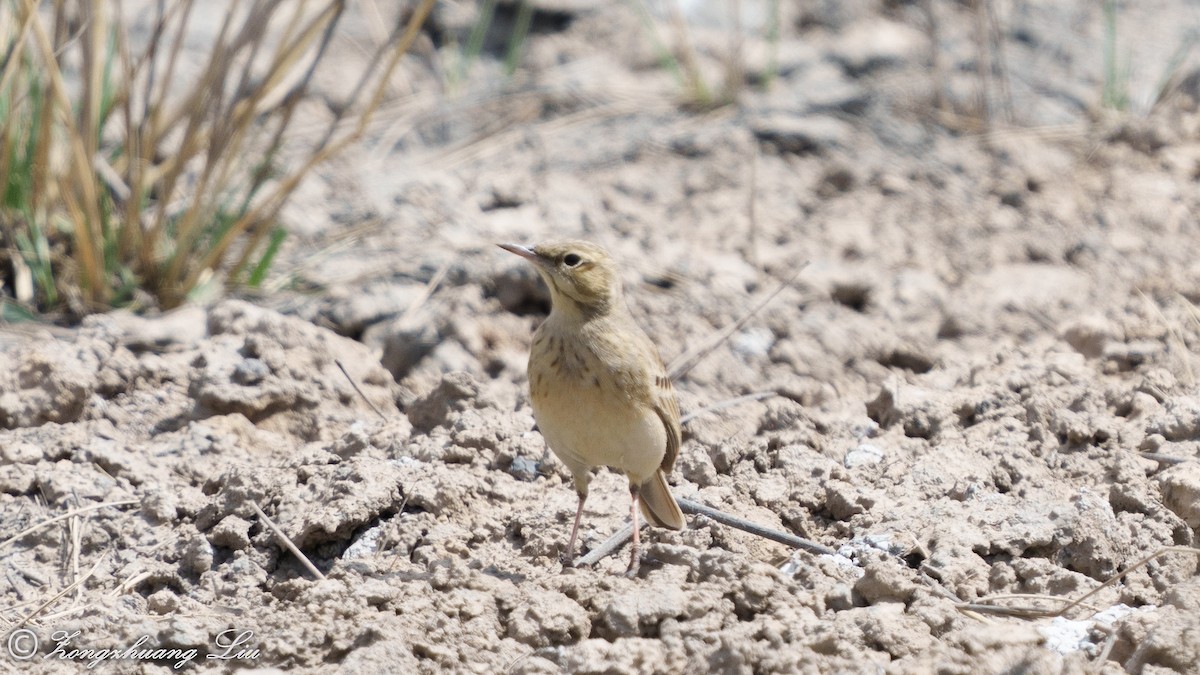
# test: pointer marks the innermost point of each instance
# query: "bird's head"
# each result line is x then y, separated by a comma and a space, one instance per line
581, 275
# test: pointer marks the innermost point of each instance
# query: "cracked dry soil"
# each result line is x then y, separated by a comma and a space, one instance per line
985, 379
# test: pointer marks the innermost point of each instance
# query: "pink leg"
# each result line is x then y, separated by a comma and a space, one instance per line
568, 558
634, 559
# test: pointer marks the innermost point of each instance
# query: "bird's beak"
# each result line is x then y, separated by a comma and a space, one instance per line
525, 252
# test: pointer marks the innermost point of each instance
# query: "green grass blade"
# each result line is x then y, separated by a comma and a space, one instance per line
516, 41
11, 312
475, 40
259, 274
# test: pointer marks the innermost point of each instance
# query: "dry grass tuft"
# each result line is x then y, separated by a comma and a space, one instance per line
120, 186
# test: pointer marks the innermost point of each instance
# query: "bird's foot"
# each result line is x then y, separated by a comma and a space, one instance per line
631, 572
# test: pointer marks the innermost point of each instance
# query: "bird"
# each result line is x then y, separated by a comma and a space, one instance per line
599, 390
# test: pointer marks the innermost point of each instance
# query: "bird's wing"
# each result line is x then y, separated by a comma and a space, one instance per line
666, 406
641, 370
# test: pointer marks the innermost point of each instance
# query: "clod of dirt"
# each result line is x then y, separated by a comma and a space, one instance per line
233, 532
1179, 420
1164, 638
543, 618
49, 382
406, 340
263, 365
886, 580
456, 392
1089, 335
1181, 492
921, 413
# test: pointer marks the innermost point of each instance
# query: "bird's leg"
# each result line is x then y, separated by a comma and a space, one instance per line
568, 558
634, 560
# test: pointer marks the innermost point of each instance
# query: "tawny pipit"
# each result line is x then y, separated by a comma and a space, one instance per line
600, 393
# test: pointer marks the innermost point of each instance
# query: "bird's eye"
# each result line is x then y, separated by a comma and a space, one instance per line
571, 260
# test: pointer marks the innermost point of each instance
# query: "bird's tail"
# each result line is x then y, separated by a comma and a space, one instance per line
659, 507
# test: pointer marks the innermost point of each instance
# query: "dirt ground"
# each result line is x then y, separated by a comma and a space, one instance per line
984, 381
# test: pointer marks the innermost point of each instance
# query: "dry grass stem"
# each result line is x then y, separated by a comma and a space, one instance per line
1035, 612
696, 508
130, 176
73, 512
607, 547
618, 538
286, 541
428, 291
69, 589
728, 403
1166, 459
359, 391
688, 360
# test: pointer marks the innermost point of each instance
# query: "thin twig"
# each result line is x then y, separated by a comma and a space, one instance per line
1102, 658
688, 360
1165, 459
75, 534
270, 205
494, 140
1001, 66
1117, 577
51, 619
68, 589
427, 292
128, 584
421, 299
618, 539
12, 608
1001, 610
1034, 596
283, 539
68, 514
360, 391
728, 403
1172, 331
752, 215
1035, 612
744, 525
120, 191
946, 593
610, 545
